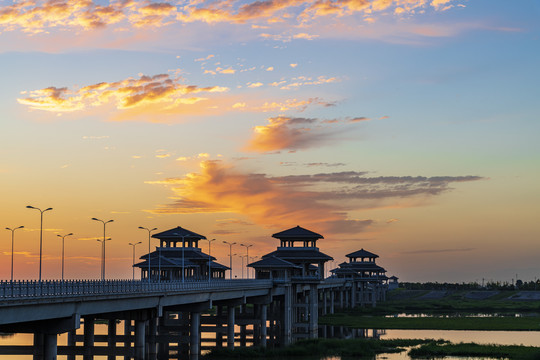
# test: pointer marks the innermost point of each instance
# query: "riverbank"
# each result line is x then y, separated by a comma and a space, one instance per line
439, 349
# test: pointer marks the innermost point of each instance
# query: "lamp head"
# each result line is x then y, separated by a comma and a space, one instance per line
30, 207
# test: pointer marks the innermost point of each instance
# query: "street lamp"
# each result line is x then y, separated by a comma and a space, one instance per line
230, 256
63, 238
12, 242
103, 250
149, 235
247, 259
103, 256
40, 235
209, 258
133, 264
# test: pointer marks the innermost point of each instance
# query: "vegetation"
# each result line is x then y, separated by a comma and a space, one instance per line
319, 347
433, 323
490, 285
440, 349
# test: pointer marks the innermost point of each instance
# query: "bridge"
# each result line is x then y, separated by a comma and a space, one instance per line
167, 320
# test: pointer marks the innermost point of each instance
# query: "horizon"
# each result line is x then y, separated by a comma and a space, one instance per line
407, 128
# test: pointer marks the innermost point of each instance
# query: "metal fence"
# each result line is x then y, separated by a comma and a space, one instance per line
72, 288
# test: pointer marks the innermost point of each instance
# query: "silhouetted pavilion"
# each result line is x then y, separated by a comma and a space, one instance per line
297, 256
179, 248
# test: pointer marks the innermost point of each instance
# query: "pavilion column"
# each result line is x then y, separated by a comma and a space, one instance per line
139, 339
331, 301
264, 309
230, 327
195, 336
111, 339
286, 310
88, 337
341, 298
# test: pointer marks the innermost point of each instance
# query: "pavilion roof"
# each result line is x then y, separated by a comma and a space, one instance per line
362, 266
189, 253
273, 262
297, 233
362, 254
299, 254
177, 233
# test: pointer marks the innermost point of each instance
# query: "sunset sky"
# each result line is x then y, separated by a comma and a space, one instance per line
405, 127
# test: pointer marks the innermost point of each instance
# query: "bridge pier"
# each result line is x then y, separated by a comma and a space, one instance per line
230, 326
88, 341
111, 338
313, 312
38, 346
50, 346
127, 338
195, 336
152, 333
139, 339
71, 342
263, 332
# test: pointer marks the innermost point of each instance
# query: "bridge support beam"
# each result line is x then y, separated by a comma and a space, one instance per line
71, 342
139, 339
88, 337
230, 327
50, 347
314, 311
111, 339
127, 337
264, 310
152, 333
195, 336
38, 346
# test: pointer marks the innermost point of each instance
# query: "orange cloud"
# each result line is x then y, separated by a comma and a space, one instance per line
160, 89
43, 15
322, 201
297, 133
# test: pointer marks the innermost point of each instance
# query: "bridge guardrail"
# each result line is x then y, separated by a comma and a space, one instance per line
70, 288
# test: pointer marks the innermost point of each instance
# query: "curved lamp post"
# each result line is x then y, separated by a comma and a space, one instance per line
149, 236
209, 258
40, 235
230, 256
103, 249
247, 259
133, 263
63, 238
12, 242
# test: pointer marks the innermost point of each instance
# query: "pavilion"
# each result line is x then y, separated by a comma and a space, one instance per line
179, 253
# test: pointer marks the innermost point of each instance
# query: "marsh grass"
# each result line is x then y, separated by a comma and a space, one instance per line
529, 323
439, 350
319, 347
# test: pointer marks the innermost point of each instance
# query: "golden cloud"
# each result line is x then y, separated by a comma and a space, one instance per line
167, 91
321, 201
42, 15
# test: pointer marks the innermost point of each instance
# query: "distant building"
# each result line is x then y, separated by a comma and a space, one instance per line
179, 251
393, 283
370, 279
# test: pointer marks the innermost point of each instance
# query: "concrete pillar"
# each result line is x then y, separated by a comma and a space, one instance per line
38, 346
219, 326
325, 302
127, 337
243, 335
50, 347
230, 327
331, 301
341, 304
263, 325
313, 311
88, 337
353, 294
286, 309
111, 339
195, 336
163, 346
71, 342
152, 333
139, 339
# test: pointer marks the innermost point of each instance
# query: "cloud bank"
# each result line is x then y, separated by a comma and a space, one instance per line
316, 201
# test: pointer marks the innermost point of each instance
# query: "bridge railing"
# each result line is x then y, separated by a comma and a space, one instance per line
72, 288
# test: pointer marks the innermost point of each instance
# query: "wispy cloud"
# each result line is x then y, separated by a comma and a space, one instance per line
322, 200
437, 251
297, 133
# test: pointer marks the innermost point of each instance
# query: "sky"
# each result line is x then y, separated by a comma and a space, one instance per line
408, 128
